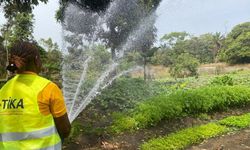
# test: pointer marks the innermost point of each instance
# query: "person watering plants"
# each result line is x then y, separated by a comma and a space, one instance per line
32, 109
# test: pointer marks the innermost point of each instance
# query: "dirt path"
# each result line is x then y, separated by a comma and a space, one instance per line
234, 141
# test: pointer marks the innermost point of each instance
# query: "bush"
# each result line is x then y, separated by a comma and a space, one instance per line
184, 65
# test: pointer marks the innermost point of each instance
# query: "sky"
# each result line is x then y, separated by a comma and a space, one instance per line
201, 16
193, 16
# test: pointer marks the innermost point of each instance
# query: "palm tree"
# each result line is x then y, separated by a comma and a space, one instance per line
218, 40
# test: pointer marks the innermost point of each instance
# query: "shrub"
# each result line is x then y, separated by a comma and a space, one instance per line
184, 65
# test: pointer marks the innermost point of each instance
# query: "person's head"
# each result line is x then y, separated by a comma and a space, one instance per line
24, 56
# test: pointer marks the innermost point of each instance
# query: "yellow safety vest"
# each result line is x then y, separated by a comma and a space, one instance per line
22, 126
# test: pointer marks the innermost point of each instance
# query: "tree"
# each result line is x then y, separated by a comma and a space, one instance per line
3, 60
237, 45
176, 41
185, 65
13, 7
204, 47
52, 59
163, 56
168, 51
173, 45
19, 25
19, 14
147, 54
218, 41
119, 27
22, 28
201, 48
49, 45
173, 38
93, 5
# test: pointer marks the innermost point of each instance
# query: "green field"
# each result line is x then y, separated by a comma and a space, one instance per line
131, 105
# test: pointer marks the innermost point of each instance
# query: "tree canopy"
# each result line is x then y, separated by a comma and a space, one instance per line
99, 5
237, 45
12, 7
119, 26
19, 25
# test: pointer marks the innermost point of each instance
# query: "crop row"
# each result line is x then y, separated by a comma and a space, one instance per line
194, 135
182, 102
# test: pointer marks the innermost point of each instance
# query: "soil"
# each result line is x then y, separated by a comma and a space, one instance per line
132, 141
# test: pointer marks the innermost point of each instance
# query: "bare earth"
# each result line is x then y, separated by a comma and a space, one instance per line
234, 141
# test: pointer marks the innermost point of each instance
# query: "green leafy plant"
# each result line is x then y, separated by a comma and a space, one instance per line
122, 123
125, 93
222, 80
185, 137
182, 102
75, 129
242, 121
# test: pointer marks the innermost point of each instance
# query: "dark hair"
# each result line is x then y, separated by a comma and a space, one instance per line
22, 56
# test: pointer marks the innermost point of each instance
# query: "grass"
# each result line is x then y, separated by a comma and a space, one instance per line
194, 135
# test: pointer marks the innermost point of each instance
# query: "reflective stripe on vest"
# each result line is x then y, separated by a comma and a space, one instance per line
22, 126
27, 135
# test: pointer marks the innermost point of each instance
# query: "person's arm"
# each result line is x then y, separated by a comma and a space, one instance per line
63, 126
59, 113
